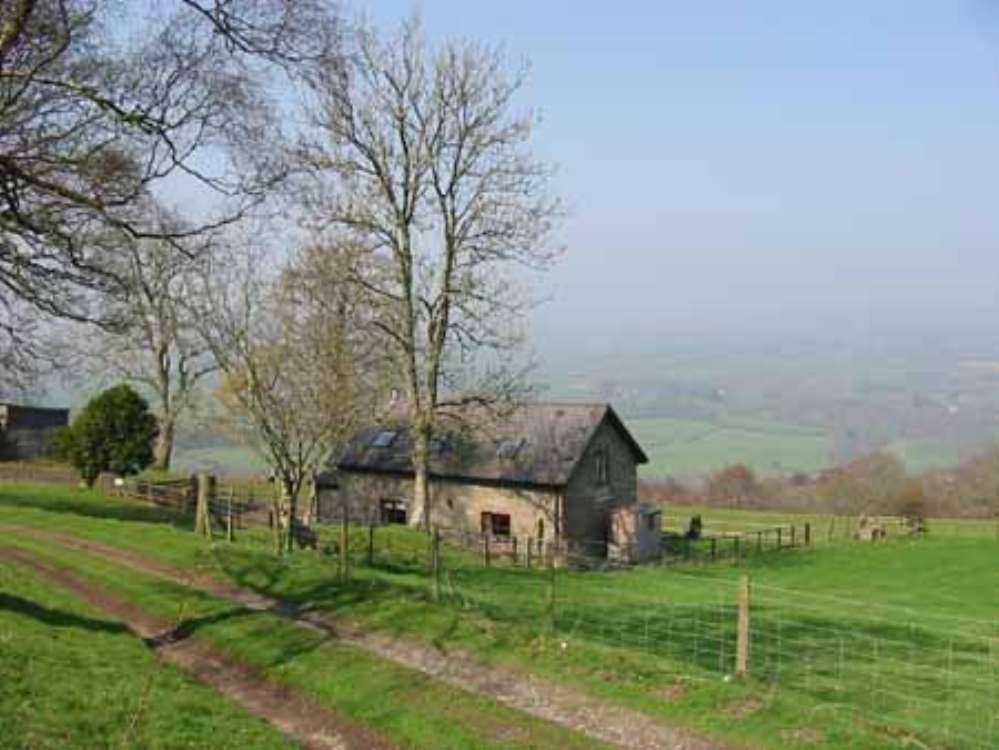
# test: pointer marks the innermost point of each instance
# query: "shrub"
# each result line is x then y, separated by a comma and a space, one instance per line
114, 432
911, 502
61, 447
694, 529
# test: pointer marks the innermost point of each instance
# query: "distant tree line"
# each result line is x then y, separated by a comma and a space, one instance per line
874, 484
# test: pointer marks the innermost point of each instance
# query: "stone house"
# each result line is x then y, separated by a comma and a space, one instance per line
27, 431
541, 471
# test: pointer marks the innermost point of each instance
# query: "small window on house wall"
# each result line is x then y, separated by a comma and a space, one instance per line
496, 524
601, 465
393, 511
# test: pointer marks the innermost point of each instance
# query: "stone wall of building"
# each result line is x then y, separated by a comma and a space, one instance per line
456, 505
589, 501
635, 534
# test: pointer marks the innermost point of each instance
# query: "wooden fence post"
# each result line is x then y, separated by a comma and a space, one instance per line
528, 553
808, 533
792, 535
249, 504
344, 546
371, 543
485, 549
778, 537
228, 516
742, 635
513, 541
551, 584
435, 562
206, 496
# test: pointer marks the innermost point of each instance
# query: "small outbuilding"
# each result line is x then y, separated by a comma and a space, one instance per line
28, 431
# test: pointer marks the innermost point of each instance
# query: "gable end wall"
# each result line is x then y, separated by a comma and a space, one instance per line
589, 502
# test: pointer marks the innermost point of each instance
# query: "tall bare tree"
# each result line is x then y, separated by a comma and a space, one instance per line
296, 375
92, 124
154, 341
424, 160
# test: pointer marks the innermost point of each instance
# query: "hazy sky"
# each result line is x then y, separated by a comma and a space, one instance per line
773, 162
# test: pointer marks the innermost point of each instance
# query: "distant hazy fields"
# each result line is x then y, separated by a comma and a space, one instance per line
781, 408
688, 447
778, 412
677, 447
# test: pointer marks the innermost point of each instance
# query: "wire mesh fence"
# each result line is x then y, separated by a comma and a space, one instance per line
929, 677
924, 675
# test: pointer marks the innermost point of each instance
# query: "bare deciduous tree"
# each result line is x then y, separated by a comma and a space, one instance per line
296, 375
426, 164
92, 124
154, 341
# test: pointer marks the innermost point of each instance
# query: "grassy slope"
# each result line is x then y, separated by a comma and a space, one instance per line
629, 636
70, 679
683, 447
922, 455
404, 705
235, 461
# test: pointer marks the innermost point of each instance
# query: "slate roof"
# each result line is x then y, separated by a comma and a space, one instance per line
535, 443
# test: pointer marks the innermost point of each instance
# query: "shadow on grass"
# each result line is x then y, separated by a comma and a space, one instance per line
236, 630
92, 506
56, 618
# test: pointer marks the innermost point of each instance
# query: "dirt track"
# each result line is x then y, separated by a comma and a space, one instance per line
297, 716
561, 705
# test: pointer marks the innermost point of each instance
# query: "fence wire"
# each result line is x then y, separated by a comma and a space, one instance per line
910, 673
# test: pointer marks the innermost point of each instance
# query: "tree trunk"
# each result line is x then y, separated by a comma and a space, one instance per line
276, 525
163, 451
312, 509
290, 497
422, 499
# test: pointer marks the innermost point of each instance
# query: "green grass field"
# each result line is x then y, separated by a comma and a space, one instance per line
235, 461
853, 645
922, 455
687, 447
71, 679
399, 703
